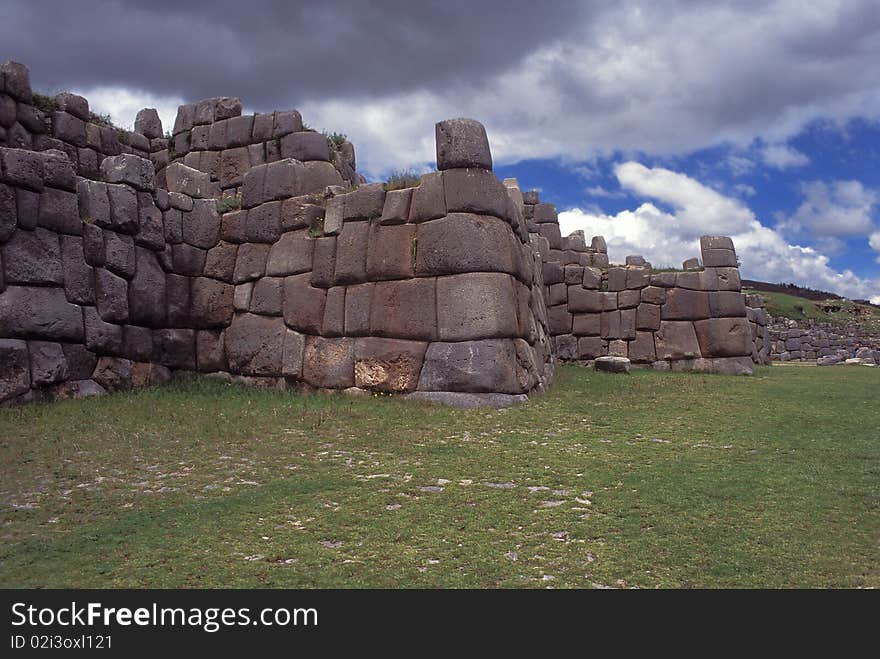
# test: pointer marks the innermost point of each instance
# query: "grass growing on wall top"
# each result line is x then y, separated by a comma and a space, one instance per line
653, 479
835, 312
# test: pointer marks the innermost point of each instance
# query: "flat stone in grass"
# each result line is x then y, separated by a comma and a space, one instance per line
611, 364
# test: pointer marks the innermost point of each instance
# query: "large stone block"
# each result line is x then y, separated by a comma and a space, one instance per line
79, 279
390, 251
475, 366
69, 128
301, 213
303, 304
551, 232
390, 365
358, 300
123, 210
351, 253
146, 292
305, 145
329, 363
590, 347
59, 212
475, 191
365, 203
189, 260
648, 316
323, 260
267, 296
16, 80
724, 337
188, 181
462, 143
232, 167
642, 348
685, 304
39, 313
428, 199
119, 255
175, 348
201, 227
33, 257
113, 373
727, 304
463, 242
319, 175
397, 206
137, 343
719, 258
22, 168
283, 179
148, 123
559, 319
676, 340
210, 351
15, 375
334, 312
250, 263
80, 361
545, 213
8, 212
111, 296
101, 337
220, 262
581, 300
47, 361
211, 302
291, 255
404, 309
292, 356
565, 346
586, 324
130, 169
476, 306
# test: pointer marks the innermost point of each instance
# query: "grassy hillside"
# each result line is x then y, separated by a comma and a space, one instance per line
653, 479
834, 311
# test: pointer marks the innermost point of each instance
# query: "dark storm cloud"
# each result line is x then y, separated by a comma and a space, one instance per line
276, 51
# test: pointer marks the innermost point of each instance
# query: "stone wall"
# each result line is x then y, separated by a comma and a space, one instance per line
248, 247
695, 319
809, 340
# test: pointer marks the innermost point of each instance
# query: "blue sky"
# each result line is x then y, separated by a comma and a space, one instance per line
649, 122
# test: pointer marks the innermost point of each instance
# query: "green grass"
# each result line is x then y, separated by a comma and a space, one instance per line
799, 308
653, 480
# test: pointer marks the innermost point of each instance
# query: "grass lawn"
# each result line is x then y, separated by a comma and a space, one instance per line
649, 480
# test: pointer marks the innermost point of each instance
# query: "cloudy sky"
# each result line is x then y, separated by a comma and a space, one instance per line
648, 122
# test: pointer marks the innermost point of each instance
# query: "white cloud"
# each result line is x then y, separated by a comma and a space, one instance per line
668, 238
782, 156
123, 105
874, 242
836, 208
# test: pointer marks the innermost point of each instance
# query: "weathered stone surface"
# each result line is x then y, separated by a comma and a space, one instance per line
653, 295
59, 212
724, 337
16, 80
726, 304
69, 128
111, 296
303, 304
462, 143
642, 348
137, 343
102, 337
33, 257
305, 145
291, 255
463, 242
676, 340
241, 298
148, 123
550, 231
476, 306
351, 253
189, 260
15, 375
590, 347
283, 179
586, 324
559, 319
22, 168
473, 366
175, 348
188, 181
404, 309
47, 362
302, 213
558, 294
691, 264
146, 292
397, 206
201, 227
267, 296
365, 203
612, 364
286, 122
685, 304
719, 258
648, 316
220, 261
358, 300
475, 191
210, 351
123, 210
428, 199
292, 356
545, 213
250, 263
119, 254
211, 302
566, 346
628, 299
733, 365
113, 373
130, 169
390, 251
8, 212
390, 365
329, 363
318, 176
581, 300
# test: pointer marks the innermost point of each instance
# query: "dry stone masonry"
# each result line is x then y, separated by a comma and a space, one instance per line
248, 247
826, 344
